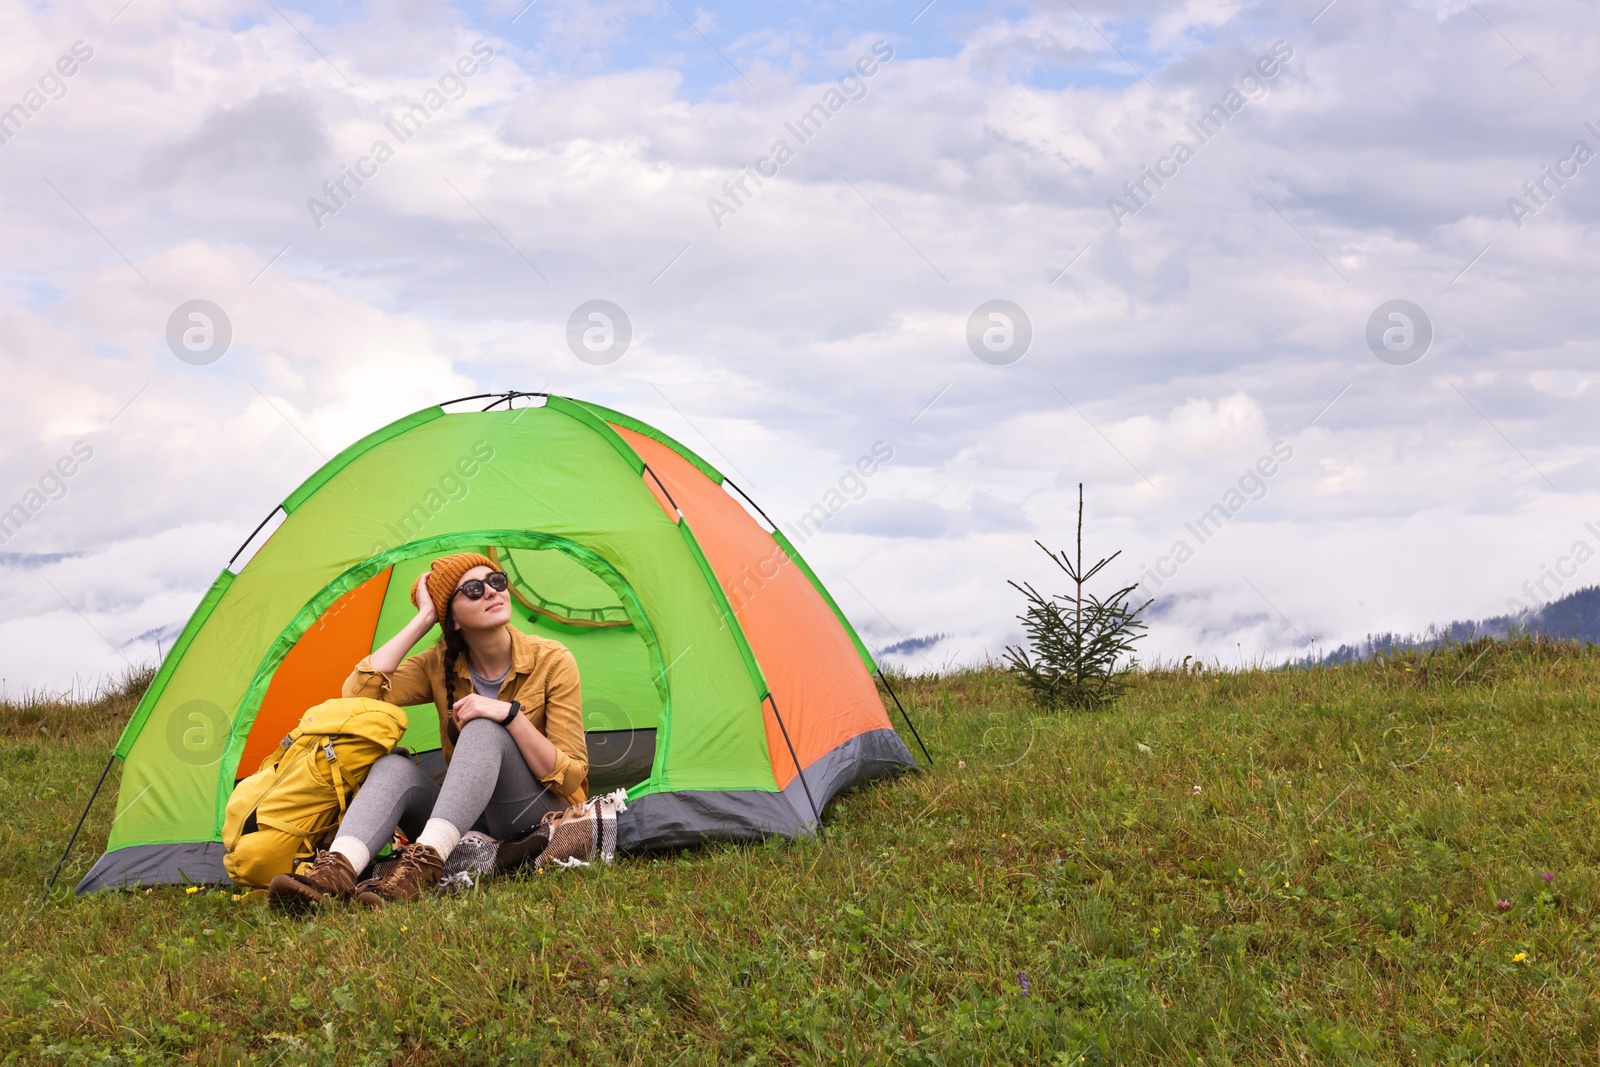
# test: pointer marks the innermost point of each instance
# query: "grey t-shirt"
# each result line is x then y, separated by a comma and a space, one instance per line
487, 687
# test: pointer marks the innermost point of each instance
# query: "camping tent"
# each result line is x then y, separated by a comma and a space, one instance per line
722, 685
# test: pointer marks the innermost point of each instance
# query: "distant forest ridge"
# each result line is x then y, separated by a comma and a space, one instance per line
1574, 617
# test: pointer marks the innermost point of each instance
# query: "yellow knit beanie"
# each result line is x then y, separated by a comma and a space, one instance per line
443, 576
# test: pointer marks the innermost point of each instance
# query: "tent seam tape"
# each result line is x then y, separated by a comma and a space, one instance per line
335, 466
827, 597
741, 641
646, 430
169, 666
578, 413
734, 626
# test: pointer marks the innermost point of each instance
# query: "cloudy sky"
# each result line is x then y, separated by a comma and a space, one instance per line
1182, 331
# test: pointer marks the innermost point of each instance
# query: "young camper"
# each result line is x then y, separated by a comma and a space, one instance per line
510, 723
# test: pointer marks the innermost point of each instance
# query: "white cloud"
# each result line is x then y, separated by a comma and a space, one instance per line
829, 311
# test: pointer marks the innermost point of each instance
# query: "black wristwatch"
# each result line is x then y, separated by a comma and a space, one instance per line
516, 709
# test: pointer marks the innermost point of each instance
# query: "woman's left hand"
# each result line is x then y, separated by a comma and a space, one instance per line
472, 706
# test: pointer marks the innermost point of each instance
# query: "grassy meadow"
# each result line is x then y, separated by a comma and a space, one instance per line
1390, 862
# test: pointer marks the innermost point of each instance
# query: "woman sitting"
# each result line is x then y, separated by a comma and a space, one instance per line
513, 739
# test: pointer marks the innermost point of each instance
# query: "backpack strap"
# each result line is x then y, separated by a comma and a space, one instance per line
340, 786
306, 839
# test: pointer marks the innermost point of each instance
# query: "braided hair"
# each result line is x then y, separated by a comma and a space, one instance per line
454, 645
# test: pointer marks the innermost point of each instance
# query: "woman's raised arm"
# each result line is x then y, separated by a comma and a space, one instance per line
387, 656
380, 675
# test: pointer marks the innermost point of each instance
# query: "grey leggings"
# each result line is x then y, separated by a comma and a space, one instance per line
487, 776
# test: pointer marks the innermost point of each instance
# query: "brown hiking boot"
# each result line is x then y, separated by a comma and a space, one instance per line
419, 869
330, 876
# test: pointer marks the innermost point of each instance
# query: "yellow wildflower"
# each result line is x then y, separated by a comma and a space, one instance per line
1521, 957
192, 890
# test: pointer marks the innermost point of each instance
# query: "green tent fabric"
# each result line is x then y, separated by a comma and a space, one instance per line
600, 543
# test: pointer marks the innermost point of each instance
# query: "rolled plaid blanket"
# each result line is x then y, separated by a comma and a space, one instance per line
583, 832
570, 838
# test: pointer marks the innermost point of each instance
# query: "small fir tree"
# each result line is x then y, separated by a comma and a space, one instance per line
1076, 641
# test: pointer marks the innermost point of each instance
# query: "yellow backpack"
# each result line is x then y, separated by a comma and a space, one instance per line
276, 816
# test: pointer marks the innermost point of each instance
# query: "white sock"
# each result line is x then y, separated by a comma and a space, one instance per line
352, 849
439, 835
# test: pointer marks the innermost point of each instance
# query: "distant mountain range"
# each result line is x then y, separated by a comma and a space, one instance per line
1575, 617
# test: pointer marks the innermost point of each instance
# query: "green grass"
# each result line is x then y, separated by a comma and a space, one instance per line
1328, 895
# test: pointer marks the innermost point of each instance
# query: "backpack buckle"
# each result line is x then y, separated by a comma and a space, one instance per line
328, 751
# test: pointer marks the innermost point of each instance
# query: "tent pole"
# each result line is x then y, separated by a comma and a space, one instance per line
71, 840
904, 716
663, 486
253, 533
823, 833
503, 398
464, 399
752, 503
480, 396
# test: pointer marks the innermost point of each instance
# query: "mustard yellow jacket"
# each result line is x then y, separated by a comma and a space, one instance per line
543, 676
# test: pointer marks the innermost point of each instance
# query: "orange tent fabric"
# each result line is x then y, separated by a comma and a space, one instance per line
317, 666
821, 687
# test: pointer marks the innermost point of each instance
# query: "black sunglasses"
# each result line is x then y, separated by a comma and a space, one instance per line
473, 588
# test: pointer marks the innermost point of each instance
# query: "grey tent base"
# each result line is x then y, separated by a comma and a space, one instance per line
674, 820
198, 863
865, 757
657, 821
